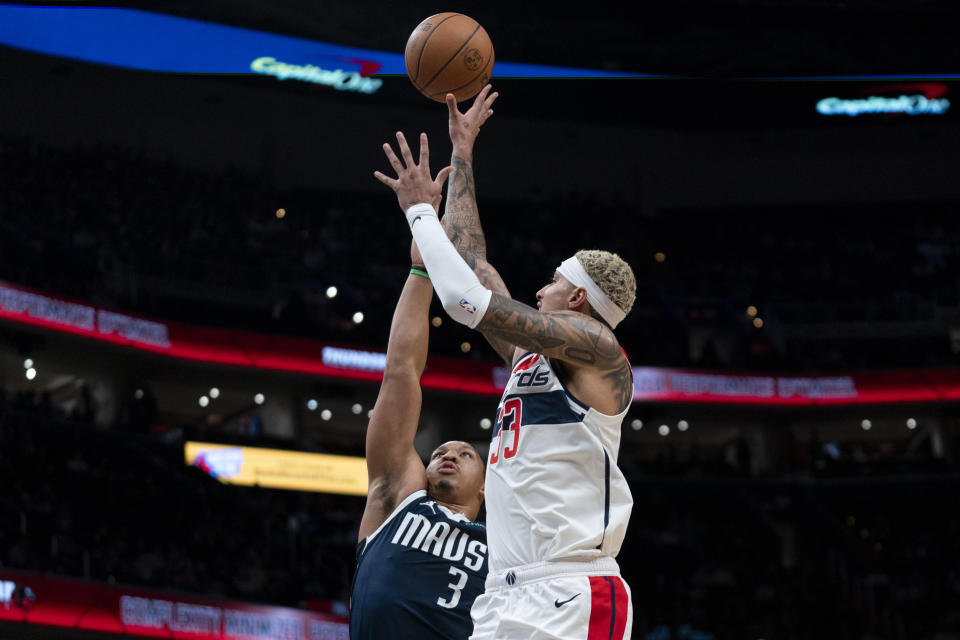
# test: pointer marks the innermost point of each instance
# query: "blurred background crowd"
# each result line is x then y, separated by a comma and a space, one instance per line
856, 546
839, 287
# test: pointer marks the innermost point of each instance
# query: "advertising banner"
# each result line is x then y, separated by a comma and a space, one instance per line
861, 388
147, 41
889, 100
228, 347
134, 612
278, 469
295, 355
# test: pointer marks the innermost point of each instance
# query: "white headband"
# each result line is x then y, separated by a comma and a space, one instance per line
572, 270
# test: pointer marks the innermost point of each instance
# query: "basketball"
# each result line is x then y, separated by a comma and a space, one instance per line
449, 53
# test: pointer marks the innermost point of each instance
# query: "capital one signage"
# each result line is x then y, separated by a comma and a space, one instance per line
894, 100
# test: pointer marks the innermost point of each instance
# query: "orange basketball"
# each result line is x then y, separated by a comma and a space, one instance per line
449, 53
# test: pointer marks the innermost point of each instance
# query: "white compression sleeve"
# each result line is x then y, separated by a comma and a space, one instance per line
463, 297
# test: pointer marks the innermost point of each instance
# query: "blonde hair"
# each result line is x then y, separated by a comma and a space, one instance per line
612, 274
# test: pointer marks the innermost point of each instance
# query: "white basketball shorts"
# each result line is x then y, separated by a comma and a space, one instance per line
555, 600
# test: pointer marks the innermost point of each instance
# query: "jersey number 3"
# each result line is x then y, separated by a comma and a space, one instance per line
509, 419
454, 599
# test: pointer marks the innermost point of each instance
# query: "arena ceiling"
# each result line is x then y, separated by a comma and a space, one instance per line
715, 38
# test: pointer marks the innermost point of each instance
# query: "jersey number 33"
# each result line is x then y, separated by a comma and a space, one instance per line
510, 417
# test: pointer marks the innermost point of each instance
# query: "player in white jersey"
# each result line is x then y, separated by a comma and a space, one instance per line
557, 504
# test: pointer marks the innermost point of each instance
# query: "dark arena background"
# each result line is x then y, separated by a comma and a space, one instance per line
198, 271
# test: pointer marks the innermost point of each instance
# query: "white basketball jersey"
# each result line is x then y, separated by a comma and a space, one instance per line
553, 488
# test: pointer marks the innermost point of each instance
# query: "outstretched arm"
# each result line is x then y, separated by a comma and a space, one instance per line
585, 344
461, 218
393, 466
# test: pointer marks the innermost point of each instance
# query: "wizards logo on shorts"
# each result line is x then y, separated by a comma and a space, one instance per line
466, 306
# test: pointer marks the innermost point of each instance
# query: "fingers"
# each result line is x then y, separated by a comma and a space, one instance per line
442, 176
484, 99
392, 158
488, 103
480, 110
384, 179
483, 94
481, 103
404, 149
424, 151
407, 155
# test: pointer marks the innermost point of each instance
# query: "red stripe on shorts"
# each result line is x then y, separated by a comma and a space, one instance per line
609, 606
622, 601
600, 609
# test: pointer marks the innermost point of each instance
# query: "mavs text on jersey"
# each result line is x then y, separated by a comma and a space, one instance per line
418, 574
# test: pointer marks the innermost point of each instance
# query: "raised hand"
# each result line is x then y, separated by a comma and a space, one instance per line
464, 127
413, 183
461, 219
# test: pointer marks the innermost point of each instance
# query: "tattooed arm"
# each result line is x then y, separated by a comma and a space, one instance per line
600, 374
462, 224
461, 218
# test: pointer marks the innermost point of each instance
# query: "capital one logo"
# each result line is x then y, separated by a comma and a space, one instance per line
890, 100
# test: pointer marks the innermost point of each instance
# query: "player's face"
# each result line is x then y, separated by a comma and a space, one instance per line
555, 295
455, 471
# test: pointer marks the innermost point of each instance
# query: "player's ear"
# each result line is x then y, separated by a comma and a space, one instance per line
482, 493
577, 298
